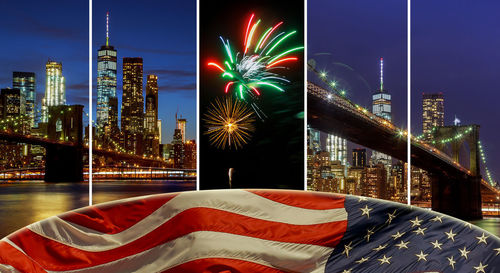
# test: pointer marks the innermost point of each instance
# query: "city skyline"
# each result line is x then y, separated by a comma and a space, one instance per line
39, 37
454, 51
173, 61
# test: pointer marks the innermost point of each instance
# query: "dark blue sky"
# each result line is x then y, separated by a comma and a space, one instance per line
354, 35
34, 31
163, 33
455, 50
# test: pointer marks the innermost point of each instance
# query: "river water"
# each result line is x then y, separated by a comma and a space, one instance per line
22, 203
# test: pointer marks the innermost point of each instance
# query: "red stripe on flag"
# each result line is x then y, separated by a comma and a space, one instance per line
115, 218
220, 265
56, 256
303, 199
11, 256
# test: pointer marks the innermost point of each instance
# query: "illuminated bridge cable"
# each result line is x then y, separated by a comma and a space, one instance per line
483, 159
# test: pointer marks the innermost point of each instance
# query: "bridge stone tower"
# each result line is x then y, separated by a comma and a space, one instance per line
64, 163
458, 196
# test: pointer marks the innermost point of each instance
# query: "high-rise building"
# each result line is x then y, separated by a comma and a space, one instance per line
178, 149
190, 154
359, 157
432, 112
152, 140
381, 100
12, 103
181, 125
132, 114
55, 88
337, 147
375, 185
113, 117
313, 140
381, 107
25, 81
159, 131
106, 81
132, 120
151, 123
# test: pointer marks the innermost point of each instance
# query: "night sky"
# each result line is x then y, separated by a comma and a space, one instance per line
274, 157
34, 31
455, 50
163, 33
347, 38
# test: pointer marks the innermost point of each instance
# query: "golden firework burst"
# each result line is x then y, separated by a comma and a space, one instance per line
229, 123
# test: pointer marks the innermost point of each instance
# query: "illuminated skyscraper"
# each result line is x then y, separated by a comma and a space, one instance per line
152, 104
132, 120
55, 88
106, 81
12, 103
432, 112
159, 130
313, 140
152, 140
25, 81
178, 149
337, 147
381, 106
181, 125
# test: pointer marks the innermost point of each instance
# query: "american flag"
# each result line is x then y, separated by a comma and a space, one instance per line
233, 231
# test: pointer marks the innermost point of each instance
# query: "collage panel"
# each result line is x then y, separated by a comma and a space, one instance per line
454, 119
251, 94
44, 106
356, 98
144, 98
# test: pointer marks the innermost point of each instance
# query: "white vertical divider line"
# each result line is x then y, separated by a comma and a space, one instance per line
90, 103
198, 95
305, 95
408, 108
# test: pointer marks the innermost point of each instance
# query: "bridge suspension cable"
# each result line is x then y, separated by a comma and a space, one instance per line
483, 159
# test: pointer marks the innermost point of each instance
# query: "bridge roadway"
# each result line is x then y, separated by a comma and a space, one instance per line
64, 159
331, 113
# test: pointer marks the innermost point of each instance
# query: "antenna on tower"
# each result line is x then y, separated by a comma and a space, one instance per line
107, 28
381, 74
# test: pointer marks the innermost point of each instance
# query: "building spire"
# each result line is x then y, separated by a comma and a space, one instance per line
107, 28
381, 74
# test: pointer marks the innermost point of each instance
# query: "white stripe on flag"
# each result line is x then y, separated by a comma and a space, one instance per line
239, 202
208, 244
4, 268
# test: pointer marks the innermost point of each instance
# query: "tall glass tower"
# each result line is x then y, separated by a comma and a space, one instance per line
25, 81
106, 81
381, 106
55, 88
381, 100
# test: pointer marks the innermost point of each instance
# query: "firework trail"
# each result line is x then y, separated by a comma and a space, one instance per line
229, 123
257, 66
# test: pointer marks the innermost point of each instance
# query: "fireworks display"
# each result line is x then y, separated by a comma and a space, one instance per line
257, 66
229, 123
